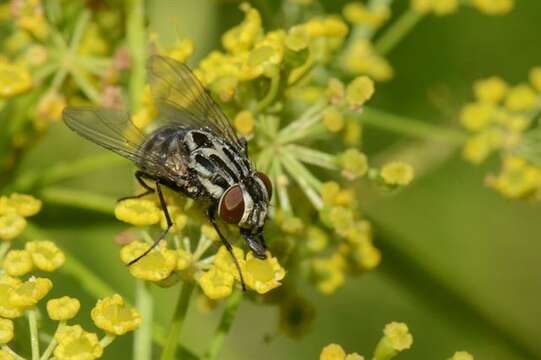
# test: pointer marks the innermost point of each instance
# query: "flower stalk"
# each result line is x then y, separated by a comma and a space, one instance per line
177, 321
34, 334
223, 328
142, 344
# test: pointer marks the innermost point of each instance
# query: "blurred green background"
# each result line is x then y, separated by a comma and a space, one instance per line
461, 265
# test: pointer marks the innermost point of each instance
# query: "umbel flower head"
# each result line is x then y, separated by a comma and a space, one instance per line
76, 343
114, 316
62, 309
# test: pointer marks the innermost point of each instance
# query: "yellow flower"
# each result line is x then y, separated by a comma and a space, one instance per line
354, 163
462, 355
24, 205
367, 256
17, 262
185, 259
76, 344
29, 293
439, 7
49, 109
138, 212
8, 285
64, 308
476, 116
262, 275
397, 173
316, 239
341, 219
360, 57
535, 78
398, 335
491, 90
354, 356
359, 91
329, 273
182, 50
6, 331
520, 98
332, 352
518, 178
494, 7
45, 255
243, 36
14, 79
209, 232
357, 13
244, 122
155, 266
216, 283
11, 225
114, 316
224, 262
477, 148
5, 355
292, 225
296, 38
333, 119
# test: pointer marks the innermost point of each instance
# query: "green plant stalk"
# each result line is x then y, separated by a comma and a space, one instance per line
12, 353
52, 345
79, 199
409, 127
107, 340
4, 247
312, 156
136, 43
271, 94
224, 326
397, 31
85, 85
34, 334
142, 342
177, 321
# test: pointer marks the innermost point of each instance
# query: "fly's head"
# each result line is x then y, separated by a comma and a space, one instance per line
246, 205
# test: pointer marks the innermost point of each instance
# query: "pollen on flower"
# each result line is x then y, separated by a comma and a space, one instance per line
333, 119
477, 116
263, 275
461, 355
138, 212
329, 273
185, 259
114, 316
76, 343
11, 225
6, 331
354, 163
332, 352
8, 285
397, 173
155, 266
491, 90
224, 261
46, 256
438, 7
398, 335
494, 7
244, 122
30, 292
216, 283
15, 79
24, 205
359, 91
17, 263
359, 14
64, 308
520, 98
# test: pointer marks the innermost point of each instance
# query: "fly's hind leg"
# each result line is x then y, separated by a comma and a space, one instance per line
164, 232
212, 212
140, 176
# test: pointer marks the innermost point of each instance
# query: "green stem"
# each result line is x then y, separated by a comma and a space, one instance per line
107, 340
34, 335
300, 127
79, 199
52, 345
312, 156
271, 94
225, 325
136, 43
79, 30
177, 322
308, 183
62, 171
85, 85
397, 31
408, 126
142, 344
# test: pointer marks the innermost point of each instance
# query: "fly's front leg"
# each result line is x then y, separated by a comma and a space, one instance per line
140, 176
165, 231
212, 217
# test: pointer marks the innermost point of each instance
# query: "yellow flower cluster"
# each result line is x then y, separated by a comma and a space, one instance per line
502, 120
336, 352
16, 296
445, 7
13, 211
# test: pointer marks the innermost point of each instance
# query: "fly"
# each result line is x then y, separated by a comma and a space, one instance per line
193, 151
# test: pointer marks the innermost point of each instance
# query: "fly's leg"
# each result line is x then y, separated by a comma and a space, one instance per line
140, 176
212, 217
164, 232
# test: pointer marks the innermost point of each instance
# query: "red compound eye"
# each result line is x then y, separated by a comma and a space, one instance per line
232, 205
266, 181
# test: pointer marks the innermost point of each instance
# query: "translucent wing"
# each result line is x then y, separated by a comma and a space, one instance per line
182, 99
113, 130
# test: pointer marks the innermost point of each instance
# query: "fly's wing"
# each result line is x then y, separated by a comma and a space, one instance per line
113, 130
181, 99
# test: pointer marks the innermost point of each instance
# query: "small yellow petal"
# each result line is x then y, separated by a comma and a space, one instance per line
76, 344
332, 352
64, 308
11, 225
397, 173
262, 275
14, 79
29, 293
138, 212
155, 266
114, 316
6, 331
216, 283
398, 335
461, 355
18, 263
359, 91
45, 255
